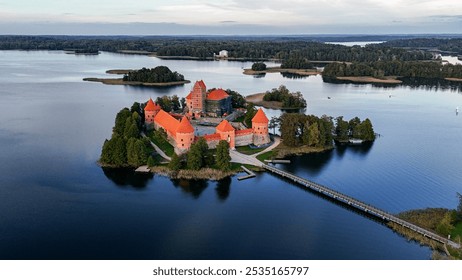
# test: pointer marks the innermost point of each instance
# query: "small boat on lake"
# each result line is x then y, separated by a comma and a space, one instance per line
355, 141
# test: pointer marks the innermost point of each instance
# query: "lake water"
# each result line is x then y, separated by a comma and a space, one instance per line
56, 203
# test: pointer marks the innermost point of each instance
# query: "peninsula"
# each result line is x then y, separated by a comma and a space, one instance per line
159, 76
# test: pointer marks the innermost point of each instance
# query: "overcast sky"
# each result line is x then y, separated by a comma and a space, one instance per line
241, 17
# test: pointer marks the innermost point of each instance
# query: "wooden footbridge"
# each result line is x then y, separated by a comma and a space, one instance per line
364, 207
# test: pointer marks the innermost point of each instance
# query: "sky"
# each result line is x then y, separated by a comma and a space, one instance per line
229, 17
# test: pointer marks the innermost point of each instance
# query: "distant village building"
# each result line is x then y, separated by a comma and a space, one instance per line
215, 103
221, 54
180, 133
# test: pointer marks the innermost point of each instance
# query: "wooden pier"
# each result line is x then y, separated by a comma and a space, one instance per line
249, 175
364, 207
277, 160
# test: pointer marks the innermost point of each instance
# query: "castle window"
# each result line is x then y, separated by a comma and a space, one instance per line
181, 139
182, 145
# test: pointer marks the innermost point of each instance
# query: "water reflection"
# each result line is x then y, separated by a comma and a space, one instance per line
414, 83
258, 76
123, 177
191, 187
361, 149
314, 163
223, 188
293, 76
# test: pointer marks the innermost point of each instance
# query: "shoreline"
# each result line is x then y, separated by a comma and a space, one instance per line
301, 72
454, 79
369, 79
257, 99
120, 81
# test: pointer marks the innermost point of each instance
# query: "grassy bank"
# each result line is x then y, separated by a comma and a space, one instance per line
367, 79
432, 219
246, 150
202, 174
282, 150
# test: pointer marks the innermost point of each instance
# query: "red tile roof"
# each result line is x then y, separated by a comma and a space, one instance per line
166, 121
189, 95
201, 84
185, 126
224, 126
210, 137
217, 94
244, 131
151, 106
260, 117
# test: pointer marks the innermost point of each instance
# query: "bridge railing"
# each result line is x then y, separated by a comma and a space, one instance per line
359, 205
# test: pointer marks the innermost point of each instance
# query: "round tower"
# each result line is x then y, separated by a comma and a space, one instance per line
150, 111
184, 135
260, 128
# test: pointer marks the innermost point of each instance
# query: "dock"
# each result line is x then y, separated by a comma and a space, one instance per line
361, 206
143, 169
277, 160
249, 175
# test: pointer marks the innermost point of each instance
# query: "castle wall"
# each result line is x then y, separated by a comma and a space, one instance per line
213, 143
244, 139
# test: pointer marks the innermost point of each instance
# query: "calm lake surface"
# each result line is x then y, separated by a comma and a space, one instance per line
56, 203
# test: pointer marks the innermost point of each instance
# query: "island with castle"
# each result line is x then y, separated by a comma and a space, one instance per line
217, 103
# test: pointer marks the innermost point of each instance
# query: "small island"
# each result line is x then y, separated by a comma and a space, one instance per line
278, 98
159, 76
259, 68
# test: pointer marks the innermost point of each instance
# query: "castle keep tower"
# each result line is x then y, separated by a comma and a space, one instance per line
196, 99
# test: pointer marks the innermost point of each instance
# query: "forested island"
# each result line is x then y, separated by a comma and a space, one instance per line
278, 98
392, 71
129, 147
158, 76
303, 133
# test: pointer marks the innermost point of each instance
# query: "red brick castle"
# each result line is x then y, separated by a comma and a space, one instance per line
180, 133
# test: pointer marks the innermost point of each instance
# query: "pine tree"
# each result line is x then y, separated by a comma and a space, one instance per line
222, 156
175, 162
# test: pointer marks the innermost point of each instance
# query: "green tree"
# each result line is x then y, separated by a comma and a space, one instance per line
136, 152
223, 158
445, 226
119, 154
249, 114
367, 131
175, 162
151, 161
314, 134
131, 129
194, 158
341, 129
274, 123
353, 127
120, 121
258, 66
459, 207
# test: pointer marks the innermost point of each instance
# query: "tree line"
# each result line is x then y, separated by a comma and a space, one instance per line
380, 69
288, 99
250, 48
444, 44
200, 156
159, 74
126, 148
299, 129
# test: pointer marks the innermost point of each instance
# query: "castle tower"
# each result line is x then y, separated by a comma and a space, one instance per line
196, 99
184, 135
150, 111
227, 133
260, 128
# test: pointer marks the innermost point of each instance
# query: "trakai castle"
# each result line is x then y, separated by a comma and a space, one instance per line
217, 103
